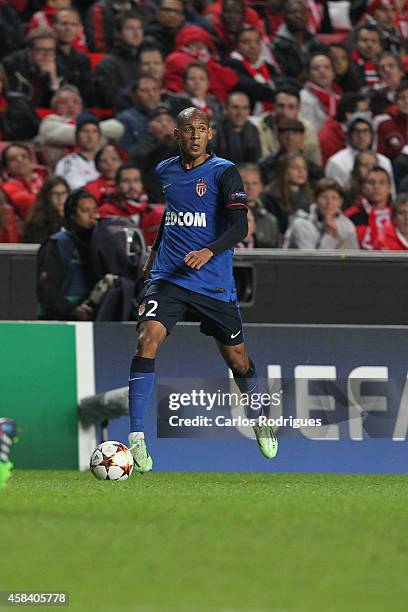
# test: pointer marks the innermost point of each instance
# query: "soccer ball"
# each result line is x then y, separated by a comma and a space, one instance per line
111, 461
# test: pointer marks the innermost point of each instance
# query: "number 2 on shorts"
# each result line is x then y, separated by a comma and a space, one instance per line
150, 313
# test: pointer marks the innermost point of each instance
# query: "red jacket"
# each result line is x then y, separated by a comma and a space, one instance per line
214, 12
222, 78
392, 133
389, 240
369, 221
99, 188
21, 194
9, 233
331, 139
145, 216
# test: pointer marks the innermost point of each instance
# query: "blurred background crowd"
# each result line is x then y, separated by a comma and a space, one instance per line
308, 98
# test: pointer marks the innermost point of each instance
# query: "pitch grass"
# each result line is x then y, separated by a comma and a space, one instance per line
230, 542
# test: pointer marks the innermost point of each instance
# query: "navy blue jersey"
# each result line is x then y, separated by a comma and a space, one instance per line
197, 202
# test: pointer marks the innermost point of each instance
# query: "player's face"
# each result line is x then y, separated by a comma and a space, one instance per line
193, 137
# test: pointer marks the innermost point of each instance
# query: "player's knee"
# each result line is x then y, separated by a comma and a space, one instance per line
149, 341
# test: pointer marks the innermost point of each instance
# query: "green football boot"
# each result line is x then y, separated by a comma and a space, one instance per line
8, 433
267, 441
5, 472
138, 448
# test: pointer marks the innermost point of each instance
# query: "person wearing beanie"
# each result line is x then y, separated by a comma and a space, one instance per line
79, 168
359, 138
65, 277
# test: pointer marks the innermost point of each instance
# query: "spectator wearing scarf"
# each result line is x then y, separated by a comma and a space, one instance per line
320, 96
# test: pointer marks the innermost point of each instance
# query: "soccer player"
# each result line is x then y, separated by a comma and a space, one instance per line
8, 431
190, 265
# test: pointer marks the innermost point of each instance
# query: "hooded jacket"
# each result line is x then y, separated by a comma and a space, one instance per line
222, 78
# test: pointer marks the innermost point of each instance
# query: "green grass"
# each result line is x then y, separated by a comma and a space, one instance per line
216, 542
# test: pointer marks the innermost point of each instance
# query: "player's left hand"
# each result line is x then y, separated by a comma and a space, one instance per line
197, 259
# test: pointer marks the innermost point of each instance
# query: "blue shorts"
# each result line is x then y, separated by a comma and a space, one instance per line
168, 303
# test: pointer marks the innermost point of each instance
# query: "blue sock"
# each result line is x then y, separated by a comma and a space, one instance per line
248, 383
141, 382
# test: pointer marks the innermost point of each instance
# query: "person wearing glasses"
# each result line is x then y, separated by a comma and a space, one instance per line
47, 214
34, 71
359, 138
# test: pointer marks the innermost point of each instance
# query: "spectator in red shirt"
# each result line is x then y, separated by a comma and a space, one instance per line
373, 210
107, 161
22, 179
320, 94
392, 132
194, 43
8, 222
394, 235
129, 200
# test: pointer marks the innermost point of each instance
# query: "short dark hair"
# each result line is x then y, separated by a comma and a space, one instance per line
136, 82
148, 45
379, 169
348, 104
199, 65
316, 54
121, 19
20, 145
289, 90
328, 184
371, 27
246, 27
122, 169
103, 149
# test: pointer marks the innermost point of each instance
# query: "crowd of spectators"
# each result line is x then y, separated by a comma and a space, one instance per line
308, 98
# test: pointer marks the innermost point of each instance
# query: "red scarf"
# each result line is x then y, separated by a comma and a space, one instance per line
260, 73
377, 218
328, 99
369, 68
